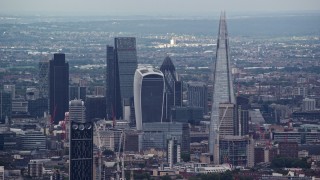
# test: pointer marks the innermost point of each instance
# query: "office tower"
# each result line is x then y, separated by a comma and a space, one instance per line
173, 88
114, 107
198, 95
126, 55
242, 122
8, 140
10, 89
5, 106
95, 107
33, 140
121, 66
237, 150
222, 86
38, 107
81, 142
44, 79
148, 96
192, 115
77, 92
173, 152
58, 87
156, 134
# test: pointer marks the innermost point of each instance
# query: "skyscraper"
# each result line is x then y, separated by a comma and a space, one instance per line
81, 142
222, 87
5, 106
77, 92
43, 79
243, 106
173, 88
95, 107
58, 87
148, 96
121, 66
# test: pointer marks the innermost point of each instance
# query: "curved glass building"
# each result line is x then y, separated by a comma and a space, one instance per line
148, 91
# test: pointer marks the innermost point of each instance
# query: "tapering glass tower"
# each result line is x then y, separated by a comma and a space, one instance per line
173, 87
121, 66
222, 87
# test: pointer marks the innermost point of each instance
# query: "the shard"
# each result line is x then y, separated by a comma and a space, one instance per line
222, 88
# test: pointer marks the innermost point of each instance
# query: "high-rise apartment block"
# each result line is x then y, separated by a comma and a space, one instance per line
173, 152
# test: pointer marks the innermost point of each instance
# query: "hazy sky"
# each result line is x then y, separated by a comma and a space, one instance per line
151, 7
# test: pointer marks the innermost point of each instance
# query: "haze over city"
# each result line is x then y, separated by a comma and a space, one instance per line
160, 90
152, 8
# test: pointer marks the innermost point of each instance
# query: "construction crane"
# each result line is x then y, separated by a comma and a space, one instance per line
99, 152
121, 159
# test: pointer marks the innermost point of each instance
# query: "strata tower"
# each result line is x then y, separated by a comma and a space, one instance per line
222, 89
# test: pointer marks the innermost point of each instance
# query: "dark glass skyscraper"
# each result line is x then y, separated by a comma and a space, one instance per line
58, 87
148, 96
5, 106
173, 88
77, 92
121, 66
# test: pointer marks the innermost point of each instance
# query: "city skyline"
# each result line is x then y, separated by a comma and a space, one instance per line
145, 7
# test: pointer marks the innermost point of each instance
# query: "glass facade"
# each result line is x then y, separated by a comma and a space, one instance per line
58, 87
6, 106
173, 88
121, 66
152, 98
198, 95
222, 85
126, 55
114, 107
156, 134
